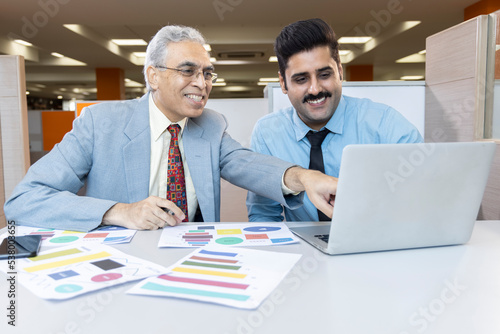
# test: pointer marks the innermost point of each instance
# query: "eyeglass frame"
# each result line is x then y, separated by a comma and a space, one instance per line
191, 76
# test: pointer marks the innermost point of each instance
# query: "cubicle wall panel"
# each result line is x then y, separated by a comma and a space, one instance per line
3, 222
490, 207
14, 121
455, 95
449, 111
453, 54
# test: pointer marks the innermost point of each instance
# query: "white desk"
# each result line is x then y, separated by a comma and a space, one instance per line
436, 290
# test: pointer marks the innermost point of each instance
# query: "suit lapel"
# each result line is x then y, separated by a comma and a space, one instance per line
137, 152
198, 156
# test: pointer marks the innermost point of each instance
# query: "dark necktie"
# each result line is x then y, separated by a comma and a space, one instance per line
176, 183
316, 158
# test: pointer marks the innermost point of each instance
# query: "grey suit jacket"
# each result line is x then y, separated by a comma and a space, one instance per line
109, 149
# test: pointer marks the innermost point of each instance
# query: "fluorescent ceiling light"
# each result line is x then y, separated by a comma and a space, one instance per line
219, 84
414, 58
412, 77
273, 59
60, 97
221, 80
213, 59
261, 83
269, 79
354, 39
58, 55
139, 54
207, 47
233, 62
20, 41
129, 41
423, 52
27, 92
344, 52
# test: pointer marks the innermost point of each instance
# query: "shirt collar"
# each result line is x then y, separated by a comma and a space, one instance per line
158, 122
335, 124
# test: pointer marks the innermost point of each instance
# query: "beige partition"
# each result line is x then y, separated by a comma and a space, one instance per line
3, 222
14, 122
455, 94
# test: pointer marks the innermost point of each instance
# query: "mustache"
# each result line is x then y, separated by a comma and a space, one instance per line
320, 95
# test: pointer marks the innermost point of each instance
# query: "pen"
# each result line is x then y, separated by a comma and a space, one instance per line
167, 210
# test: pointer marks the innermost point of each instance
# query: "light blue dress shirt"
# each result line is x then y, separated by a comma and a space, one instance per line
356, 121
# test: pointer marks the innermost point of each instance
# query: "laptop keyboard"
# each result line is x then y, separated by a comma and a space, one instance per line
323, 237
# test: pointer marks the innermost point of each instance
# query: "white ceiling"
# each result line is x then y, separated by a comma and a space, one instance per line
230, 26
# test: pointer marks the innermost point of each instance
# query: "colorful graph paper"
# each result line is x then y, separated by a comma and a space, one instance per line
235, 234
237, 277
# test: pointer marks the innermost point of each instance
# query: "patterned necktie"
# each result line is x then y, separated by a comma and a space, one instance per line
176, 183
316, 158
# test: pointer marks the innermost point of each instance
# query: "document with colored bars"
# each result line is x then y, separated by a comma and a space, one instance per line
227, 234
66, 272
237, 277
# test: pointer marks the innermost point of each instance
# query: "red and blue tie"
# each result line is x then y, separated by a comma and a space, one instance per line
176, 182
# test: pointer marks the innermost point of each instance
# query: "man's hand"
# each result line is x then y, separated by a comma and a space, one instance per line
320, 188
147, 214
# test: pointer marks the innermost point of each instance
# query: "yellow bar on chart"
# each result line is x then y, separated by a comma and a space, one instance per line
208, 272
73, 232
66, 262
229, 231
55, 254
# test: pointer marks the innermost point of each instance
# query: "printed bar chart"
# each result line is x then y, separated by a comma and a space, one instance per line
240, 279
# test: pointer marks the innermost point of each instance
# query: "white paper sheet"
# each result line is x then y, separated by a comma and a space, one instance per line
56, 238
233, 234
237, 277
66, 272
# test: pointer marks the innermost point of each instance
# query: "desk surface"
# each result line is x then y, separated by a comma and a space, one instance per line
435, 290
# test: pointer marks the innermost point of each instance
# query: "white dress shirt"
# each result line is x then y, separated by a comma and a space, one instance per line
160, 142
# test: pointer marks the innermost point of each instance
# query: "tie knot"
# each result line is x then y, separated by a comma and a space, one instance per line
174, 130
316, 138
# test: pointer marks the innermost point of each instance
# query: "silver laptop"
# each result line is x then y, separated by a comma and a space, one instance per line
400, 196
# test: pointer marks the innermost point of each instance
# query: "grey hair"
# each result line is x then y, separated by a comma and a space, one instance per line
156, 51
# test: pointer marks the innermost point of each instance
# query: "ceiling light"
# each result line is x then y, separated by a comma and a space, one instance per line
213, 59
20, 41
414, 58
207, 47
412, 77
58, 55
59, 97
221, 80
262, 83
423, 52
139, 54
273, 59
27, 92
344, 52
269, 79
219, 84
354, 39
129, 41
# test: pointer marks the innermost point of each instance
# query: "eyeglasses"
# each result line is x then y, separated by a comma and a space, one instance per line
193, 74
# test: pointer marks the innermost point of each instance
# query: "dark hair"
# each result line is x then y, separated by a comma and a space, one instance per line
304, 36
